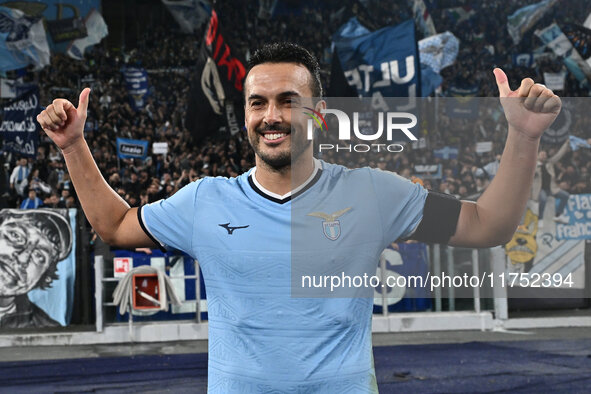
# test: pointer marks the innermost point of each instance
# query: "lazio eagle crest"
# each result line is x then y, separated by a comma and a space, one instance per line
331, 226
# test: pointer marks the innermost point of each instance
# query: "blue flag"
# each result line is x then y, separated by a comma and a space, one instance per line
446, 153
132, 149
136, 81
22, 40
523, 59
526, 17
351, 29
19, 128
578, 211
464, 103
382, 63
576, 143
556, 40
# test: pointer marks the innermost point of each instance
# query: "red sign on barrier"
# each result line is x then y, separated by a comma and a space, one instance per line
121, 266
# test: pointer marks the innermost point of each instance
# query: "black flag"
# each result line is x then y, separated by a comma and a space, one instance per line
215, 102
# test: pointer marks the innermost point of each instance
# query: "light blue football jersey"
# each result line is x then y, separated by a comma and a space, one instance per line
266, 332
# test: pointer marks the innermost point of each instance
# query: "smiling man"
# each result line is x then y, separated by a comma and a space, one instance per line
31, 245
261, 339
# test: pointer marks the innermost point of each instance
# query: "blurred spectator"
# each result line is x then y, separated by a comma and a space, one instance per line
18, 178
32, 201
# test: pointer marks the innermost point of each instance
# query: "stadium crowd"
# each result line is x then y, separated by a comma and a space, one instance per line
170, 58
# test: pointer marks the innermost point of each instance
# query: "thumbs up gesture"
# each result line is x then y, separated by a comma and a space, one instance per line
531, 109
63, 122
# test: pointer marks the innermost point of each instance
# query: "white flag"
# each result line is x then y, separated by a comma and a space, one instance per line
7, 88
526, 17
587, 23
439, 51
555, 81
96, 29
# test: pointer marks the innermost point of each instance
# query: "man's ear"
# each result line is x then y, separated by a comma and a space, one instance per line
321, 104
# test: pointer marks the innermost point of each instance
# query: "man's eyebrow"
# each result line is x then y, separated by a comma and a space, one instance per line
289, 93
255, 97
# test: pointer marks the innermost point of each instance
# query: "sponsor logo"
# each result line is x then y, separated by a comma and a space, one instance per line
231, 229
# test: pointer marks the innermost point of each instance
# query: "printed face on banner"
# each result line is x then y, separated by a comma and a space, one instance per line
25, 254
32, 242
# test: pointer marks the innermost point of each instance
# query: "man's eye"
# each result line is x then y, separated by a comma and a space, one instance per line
16, 237
256, 104
38, 257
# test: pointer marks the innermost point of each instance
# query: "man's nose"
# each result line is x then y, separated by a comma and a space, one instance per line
23, 256
273, 114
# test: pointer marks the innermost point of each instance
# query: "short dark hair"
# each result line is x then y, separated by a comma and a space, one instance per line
288, 52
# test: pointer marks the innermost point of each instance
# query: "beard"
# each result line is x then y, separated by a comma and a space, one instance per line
280, 161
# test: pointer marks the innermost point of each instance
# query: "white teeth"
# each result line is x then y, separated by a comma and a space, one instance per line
275, 136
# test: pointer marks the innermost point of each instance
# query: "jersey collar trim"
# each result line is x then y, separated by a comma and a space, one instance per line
312, 179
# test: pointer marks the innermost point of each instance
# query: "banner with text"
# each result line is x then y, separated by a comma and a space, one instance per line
136, 81
384, 63
131, 149
19, 128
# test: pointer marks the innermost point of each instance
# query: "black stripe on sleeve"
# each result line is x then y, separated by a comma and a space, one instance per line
440, 219
143, 226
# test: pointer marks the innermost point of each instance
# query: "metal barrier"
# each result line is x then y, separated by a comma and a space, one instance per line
497, 266
99, 280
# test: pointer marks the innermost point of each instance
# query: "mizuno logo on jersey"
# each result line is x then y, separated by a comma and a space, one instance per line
231, 229
331, 226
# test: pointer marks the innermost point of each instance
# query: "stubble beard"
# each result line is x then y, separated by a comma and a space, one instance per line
282, 161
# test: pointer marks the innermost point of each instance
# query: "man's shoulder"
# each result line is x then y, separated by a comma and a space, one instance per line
222, 184
351, 174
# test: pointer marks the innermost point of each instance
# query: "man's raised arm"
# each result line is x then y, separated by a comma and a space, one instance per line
492, 220
111, 217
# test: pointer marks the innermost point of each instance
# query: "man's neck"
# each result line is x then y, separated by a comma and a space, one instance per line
287, 179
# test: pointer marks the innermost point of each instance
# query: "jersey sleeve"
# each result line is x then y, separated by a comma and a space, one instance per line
169, 222
400, 202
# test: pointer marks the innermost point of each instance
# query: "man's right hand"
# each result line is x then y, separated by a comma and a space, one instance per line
63, 122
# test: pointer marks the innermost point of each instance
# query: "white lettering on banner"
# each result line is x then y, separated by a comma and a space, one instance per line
23, 105
575, 231
579, 202
578, 210
27, 125
131, 149
232, 121
136, 80
390, 73
17, 146
410, 71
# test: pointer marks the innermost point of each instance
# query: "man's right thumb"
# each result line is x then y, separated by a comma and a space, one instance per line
83, 102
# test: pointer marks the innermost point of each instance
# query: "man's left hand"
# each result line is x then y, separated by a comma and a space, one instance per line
531, 109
